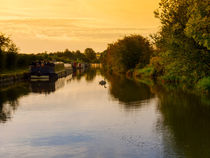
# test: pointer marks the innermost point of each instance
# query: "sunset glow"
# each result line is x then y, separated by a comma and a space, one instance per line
51, 25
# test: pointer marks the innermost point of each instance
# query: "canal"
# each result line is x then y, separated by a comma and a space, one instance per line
76, 117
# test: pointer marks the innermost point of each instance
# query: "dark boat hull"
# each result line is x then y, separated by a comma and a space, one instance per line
49, 77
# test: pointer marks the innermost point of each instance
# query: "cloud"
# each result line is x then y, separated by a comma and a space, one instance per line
78, 30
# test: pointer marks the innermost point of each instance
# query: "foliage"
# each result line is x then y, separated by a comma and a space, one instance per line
183, 41
126, 53
90, 54
147, 71
157, 64
8, 53
197, 26
11, 60
204, 84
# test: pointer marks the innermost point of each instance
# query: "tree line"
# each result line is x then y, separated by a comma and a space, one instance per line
179, 51
10, 58
183, 43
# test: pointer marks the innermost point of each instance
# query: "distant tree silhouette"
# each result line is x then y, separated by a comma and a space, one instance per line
90, 54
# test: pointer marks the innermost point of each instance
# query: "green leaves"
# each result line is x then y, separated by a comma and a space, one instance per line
197, 26
183, 42
90, 55
126, 53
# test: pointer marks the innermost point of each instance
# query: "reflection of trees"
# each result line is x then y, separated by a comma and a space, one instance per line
90, 74
188, 119
127, 91
9, 100
9, 97
78, 74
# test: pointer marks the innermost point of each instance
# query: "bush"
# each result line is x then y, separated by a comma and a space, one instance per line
204, 84
157, 63
145, 72
126, 53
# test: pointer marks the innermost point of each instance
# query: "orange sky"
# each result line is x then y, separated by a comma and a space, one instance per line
51, 25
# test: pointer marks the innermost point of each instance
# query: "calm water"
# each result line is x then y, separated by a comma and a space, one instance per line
78, 118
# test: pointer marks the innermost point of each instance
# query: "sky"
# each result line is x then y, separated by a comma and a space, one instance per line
52, 25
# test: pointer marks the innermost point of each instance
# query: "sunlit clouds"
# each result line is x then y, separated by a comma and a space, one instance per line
51, 25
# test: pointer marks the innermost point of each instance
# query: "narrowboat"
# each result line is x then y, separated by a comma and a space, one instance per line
45, 71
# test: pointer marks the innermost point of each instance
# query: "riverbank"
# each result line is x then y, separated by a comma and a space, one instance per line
149, 73
9, 77
14, 71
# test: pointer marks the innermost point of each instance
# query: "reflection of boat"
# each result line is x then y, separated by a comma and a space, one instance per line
49, 86
45, 71
42, 87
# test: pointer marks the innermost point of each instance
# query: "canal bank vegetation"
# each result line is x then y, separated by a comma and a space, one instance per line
181, 51
127, 53
12, 62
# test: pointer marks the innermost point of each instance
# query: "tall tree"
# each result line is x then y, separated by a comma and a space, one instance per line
90, 54
126, 53
8, 53
185, 54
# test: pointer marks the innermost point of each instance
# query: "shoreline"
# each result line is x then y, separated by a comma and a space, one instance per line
7, 80
169, 85
148, 79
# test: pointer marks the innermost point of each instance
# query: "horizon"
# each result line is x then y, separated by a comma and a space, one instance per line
53, 25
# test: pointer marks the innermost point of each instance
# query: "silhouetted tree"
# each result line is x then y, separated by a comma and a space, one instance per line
8, 53
126, 53
90, 54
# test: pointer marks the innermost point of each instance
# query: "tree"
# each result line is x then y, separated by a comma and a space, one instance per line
81, 56
126, 53
182, 41
8, 53
90, 54
198, 24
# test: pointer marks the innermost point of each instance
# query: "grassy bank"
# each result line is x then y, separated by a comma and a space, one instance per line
149, 73
14, 72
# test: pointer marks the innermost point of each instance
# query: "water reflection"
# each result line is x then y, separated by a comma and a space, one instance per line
77, 113
43, 87
9, 97
9, 100
49, 87
91, 74
128, 92
78, 74
187, 117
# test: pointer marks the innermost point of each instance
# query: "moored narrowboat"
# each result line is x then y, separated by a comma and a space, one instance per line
45, 71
